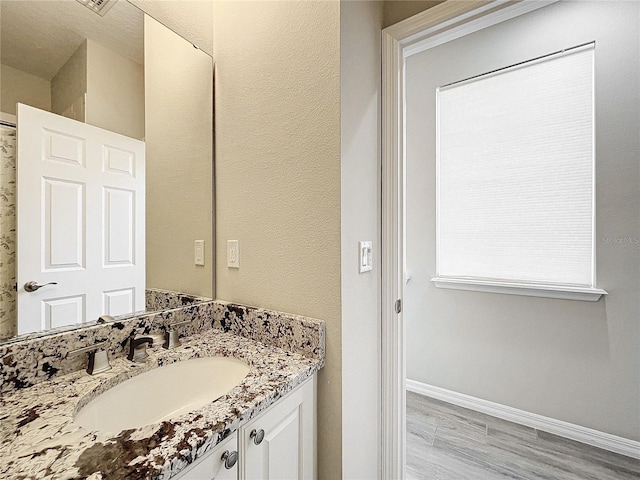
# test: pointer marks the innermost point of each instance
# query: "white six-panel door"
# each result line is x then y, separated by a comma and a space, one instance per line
80, 221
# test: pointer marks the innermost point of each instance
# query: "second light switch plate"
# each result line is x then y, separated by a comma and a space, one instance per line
198, 252
233, 254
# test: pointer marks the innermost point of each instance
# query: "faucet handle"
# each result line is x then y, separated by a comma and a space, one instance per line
172, 339
98, 359
105, 319
98, 362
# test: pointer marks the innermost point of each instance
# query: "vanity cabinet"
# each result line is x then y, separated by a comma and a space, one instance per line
278, 444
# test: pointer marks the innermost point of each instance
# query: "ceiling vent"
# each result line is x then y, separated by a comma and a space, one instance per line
101, 7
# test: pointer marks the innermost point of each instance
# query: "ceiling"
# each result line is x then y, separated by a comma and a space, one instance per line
39, 36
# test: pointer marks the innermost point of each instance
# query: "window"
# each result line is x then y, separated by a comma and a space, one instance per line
515, 172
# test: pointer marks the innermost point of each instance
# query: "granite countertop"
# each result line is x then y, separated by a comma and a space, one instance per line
38, 438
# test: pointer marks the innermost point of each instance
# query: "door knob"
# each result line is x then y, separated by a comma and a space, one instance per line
33, 286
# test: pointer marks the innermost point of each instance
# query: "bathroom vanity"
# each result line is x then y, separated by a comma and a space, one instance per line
278, 443
264, 427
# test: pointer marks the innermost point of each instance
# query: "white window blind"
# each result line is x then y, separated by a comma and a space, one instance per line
515, 170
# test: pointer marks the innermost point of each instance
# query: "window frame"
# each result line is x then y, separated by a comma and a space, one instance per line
516, 286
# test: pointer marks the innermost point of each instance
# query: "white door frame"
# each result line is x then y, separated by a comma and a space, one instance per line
445, 22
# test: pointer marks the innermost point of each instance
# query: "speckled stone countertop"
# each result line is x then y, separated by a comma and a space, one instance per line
39, 439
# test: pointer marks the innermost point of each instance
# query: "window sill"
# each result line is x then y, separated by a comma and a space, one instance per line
588, 294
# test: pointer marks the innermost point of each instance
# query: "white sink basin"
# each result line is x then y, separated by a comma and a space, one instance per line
162, 393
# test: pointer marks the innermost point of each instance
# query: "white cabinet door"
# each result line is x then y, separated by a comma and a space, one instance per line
212, 466
284, 450
279, 444
80, 221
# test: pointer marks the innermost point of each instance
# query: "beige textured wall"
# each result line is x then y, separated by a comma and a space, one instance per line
18, 86
70, 84
278, 173
398, 10
115, 92
179, 136
190, 18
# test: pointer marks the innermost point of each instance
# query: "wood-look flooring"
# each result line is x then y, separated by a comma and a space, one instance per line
447, 442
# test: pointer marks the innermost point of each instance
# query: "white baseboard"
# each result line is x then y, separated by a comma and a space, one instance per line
603, 440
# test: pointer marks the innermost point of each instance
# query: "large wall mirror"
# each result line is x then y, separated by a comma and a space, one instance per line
127, 73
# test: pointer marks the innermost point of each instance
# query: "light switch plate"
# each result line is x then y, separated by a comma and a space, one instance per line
198, 252
233, 254
365, 256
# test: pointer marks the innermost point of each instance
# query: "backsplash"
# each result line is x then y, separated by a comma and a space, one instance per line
157, 299
302, 335
24, 363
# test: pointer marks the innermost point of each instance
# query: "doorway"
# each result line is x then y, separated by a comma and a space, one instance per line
402, 43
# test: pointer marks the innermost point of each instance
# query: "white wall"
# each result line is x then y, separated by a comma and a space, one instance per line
277, 147
18, 86
179, 135
360, 71
574, 361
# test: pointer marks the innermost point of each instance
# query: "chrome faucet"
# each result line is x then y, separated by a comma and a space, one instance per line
138, 347
98, 360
